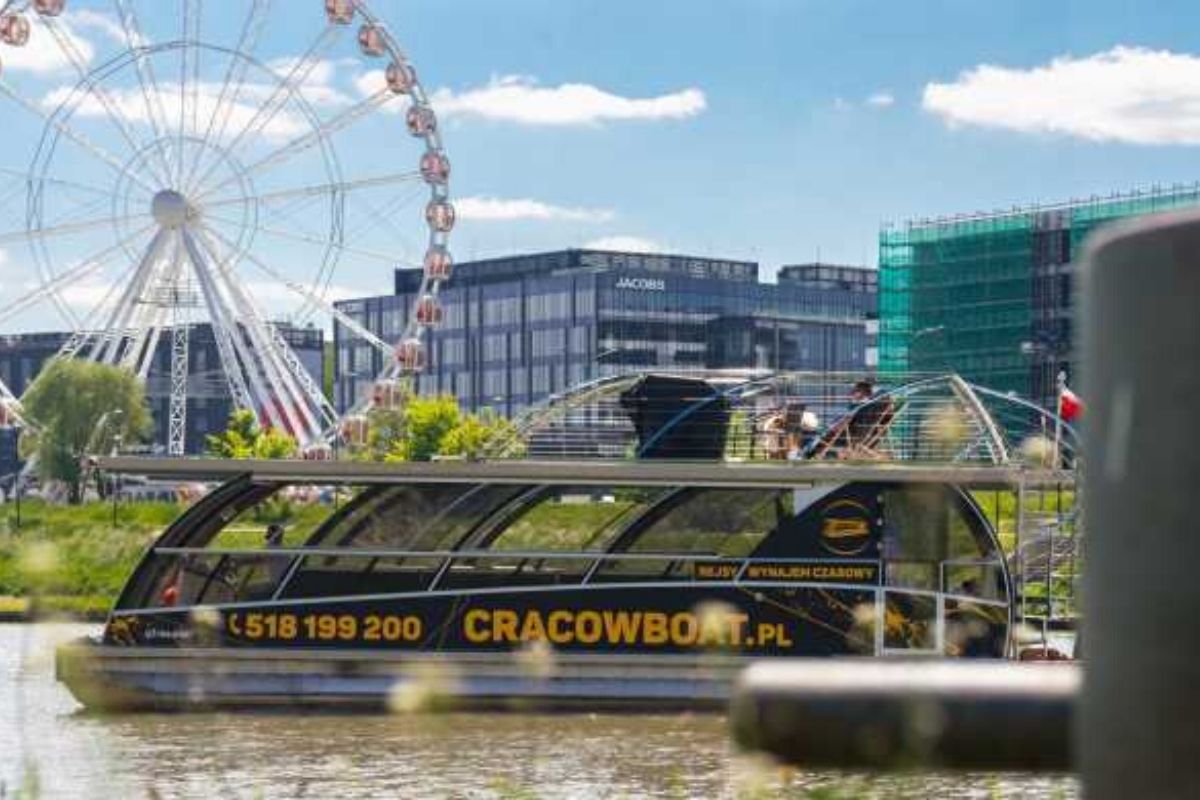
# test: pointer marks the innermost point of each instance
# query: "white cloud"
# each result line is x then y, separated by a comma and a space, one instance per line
369, 82
518, 98
86, 294
99, 22
1126, 94
317, 85
132, 104
285, 124
42, 55
630, 244
500, 209
881, 100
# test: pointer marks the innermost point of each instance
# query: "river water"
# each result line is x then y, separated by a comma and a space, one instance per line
50, 748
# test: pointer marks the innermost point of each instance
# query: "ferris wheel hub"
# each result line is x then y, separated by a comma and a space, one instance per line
170, 209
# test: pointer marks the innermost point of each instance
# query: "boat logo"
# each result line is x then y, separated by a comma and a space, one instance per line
845, 528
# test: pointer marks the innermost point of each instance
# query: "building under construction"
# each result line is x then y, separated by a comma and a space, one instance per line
990, 296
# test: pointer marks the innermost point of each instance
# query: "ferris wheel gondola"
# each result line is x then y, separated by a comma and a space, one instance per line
189, 177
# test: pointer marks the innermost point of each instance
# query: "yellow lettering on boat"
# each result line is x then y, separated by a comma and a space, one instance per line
504, 625
532, 629
475, 618
621, 627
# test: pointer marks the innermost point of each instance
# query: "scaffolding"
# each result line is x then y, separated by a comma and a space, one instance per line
989, 295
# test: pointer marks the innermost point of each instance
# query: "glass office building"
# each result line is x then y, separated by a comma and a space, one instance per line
517, 330
991, 296
209, 404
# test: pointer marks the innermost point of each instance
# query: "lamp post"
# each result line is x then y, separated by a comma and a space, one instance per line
114, 484
20, 470
1046, 351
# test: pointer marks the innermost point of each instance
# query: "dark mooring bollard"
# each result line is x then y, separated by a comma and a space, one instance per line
896, 714
1137, 726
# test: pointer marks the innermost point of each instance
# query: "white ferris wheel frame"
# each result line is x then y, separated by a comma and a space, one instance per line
261, 371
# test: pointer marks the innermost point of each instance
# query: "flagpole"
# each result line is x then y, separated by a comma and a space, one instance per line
1058, 422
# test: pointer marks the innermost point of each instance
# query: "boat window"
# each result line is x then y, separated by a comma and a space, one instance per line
196, 579
287, 517
559, 519
728, 523
429, 517
930, 543
720, 522
573, 518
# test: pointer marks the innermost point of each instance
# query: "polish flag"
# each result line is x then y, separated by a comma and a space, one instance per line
1070, 407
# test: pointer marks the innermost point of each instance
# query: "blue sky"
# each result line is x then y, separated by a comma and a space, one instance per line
772, 130
788, 158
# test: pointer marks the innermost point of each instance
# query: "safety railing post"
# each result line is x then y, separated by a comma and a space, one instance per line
880, 619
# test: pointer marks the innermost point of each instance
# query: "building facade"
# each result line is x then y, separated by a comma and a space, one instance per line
517, 330
991, 296
22, 357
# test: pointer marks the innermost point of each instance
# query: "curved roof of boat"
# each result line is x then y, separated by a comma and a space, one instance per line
916, 418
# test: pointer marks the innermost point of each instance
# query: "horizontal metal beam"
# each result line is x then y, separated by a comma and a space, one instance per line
568, 473
881, 715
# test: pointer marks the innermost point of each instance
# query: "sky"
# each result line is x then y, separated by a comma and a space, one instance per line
780, 131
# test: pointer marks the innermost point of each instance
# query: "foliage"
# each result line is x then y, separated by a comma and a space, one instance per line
74, 551
386, 427
475, 434
272, 443
423, 427
80, 407
327, 371
427, 421
237, 440
739, 436
243, 437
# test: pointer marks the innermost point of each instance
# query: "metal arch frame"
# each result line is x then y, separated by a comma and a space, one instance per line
967, 393
537, 415
132, 334
1043, 413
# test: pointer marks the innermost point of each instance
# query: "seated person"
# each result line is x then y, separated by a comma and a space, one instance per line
772, 430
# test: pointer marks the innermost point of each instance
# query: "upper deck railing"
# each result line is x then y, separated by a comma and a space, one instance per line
791, 416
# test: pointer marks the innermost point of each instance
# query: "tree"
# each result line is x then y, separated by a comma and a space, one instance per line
427, 420
243, 437
476, 434
422, 427
237, 440
80, 407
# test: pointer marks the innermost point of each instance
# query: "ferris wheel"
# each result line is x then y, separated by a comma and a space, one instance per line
174, 169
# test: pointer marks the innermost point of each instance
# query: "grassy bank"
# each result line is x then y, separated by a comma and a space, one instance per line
72, 560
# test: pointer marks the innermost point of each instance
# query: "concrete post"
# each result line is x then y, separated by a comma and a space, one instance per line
1139, 722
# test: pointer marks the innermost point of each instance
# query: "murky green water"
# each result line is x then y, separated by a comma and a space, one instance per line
46, 740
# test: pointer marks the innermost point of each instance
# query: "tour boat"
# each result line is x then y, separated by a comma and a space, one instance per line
556, 582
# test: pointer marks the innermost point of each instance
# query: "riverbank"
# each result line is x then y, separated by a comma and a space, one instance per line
71, 561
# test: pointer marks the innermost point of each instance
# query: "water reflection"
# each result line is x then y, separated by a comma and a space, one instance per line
435, 756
